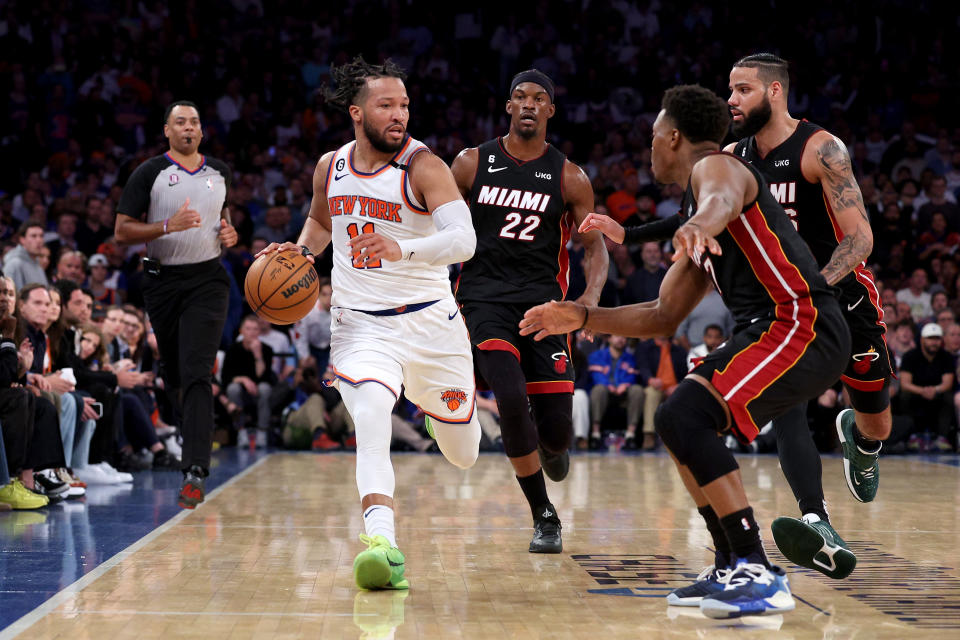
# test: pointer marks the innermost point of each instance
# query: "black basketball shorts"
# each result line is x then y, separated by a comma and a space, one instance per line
869, 369
777, 362
547, 365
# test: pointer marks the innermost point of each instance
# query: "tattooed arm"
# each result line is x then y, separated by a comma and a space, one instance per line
825, 160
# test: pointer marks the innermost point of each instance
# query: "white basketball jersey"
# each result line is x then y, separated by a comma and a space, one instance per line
379, 202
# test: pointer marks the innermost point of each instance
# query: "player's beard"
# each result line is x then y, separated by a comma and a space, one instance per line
526, 134
379, 142
754, 121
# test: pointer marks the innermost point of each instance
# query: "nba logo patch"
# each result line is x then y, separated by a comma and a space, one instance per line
174, 179
560, 362
453, 398
209, 183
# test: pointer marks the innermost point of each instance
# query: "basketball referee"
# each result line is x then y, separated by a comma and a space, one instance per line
174, 203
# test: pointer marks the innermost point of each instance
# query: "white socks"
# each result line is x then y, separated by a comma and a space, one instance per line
378, 521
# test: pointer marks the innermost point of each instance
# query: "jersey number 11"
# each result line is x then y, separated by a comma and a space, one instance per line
353, 233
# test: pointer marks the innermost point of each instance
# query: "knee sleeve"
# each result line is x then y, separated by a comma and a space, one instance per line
688, 422
459, 443
554, 415
370, 405
502, 372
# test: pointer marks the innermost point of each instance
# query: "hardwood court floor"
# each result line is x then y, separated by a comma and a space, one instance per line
270, 556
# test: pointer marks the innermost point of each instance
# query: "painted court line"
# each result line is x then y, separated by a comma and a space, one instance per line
567, 527
259, 614
72, 590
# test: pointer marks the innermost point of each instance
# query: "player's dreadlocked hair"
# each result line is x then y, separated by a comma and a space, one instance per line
351, 80
769, 68
699, 113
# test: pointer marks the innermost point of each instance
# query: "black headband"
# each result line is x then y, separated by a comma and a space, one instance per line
536, 76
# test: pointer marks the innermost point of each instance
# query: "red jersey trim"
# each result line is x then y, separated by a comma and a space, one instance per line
751, 371
552, 386
519, 162
863, 385
563, 257
496, 344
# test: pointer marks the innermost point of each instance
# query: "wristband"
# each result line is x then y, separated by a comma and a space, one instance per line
165, 226
586, 316
305, 251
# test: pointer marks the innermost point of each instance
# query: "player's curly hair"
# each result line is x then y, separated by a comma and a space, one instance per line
699, 113
351, 80
770, 68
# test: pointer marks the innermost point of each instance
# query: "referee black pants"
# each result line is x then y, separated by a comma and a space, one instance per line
188, 307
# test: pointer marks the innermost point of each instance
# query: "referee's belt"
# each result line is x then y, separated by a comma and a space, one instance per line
396, 311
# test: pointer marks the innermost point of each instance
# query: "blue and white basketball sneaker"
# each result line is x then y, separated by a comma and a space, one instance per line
710, 581
751, 589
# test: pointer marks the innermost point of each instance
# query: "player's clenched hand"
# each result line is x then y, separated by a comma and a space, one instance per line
372, 246
692, 240
228, 235
552, 318
604, 224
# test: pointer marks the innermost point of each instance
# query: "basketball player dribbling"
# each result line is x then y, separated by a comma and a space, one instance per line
395, 218
789, 345
524, 196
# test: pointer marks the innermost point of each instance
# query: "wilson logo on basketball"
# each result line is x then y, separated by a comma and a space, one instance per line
302, 283
560, 362
454, 398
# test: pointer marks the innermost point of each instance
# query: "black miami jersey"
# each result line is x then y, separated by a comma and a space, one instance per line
522, 227
790, 342
765, 267
806, 205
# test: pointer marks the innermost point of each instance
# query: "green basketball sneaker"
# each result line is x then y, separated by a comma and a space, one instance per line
429, 424
813, 543
859, 467
380, 566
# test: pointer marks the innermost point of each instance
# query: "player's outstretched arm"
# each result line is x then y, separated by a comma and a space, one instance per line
578, 193
721, 186
315, 235
656, 231
826, 160
681, 290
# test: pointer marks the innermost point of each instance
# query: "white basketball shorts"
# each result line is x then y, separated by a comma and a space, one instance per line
427, 352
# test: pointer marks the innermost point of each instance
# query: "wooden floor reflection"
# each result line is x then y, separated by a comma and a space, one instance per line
271, 556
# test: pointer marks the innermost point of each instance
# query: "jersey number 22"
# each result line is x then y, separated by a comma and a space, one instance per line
514, 219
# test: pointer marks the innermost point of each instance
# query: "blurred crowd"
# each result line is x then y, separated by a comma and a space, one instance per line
85, 89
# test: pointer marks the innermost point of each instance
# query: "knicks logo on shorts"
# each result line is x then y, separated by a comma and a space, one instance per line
454, 398
560, 362
863, 361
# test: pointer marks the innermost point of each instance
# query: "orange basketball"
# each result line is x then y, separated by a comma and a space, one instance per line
281, 287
